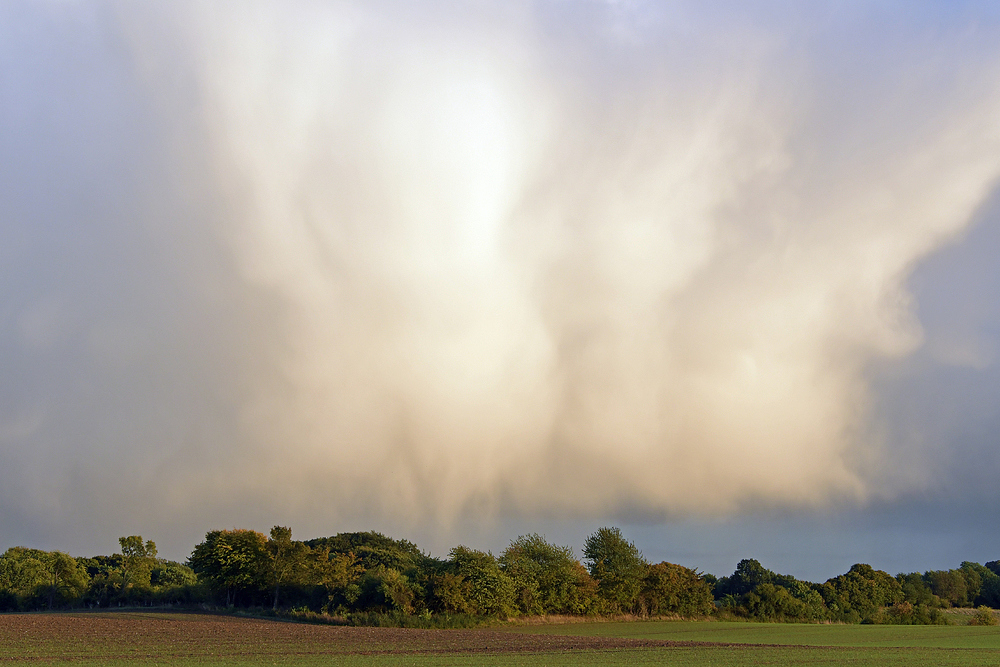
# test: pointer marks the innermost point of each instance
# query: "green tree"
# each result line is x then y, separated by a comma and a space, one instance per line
338, 574
23, 572
673, 589
983, 616
233, 561
451, 593
491, 591
861, 592
286, 560
749, 574
951, 586
35, 579
916, 591
387, 589
548, 579
66, 579
618, 567
138, 559
372, 549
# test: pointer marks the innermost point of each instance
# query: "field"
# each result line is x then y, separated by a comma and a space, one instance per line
157, 638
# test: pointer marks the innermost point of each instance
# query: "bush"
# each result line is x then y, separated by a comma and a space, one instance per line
674, 589
983, 616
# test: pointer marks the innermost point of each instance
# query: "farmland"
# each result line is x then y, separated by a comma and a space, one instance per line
119, 638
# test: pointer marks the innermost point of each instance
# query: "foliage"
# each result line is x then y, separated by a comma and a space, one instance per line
338, 575
285, 560
232, 561
34, 579
547, 578
860, 593
984, 616
491, 590
673, 589
451, 593
373, 579
372, 549
905, 613
749, 574
916, 591
385, 589
136, 565
950, 586
618, 567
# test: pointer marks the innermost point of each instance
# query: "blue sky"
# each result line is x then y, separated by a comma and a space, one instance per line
724, 276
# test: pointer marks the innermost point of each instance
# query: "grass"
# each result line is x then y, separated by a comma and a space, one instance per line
137, 638
802, 634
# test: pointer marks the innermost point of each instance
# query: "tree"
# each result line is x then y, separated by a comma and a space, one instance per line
232, 561
66, 578
916, 591
34, 578
863, 590
338, 574
387, 589
452, 593
23, 572
749, 574
491, 591
138, 559
618, 567
951, 586
674, 589
286, 559
547, 578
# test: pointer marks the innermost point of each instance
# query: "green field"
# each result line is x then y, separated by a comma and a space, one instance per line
802, 634
135, 638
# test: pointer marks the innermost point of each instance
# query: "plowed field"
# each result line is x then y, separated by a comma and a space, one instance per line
125, 636
116, 639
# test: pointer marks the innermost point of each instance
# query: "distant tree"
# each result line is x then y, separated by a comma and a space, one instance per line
170, 574
451, 593
975, 576
372, 549
232, 561
286, 560
548, 579
35, 579
951, 586
23, 572
490, 591
138, 559
66, 579
673, 589
989, 591
387, 589
861, 592
749, 574
618, 567
338, 574
916, 591
770, 602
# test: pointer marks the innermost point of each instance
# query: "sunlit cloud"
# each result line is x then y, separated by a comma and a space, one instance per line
416, 265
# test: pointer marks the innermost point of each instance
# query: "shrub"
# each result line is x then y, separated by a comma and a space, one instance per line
983, 616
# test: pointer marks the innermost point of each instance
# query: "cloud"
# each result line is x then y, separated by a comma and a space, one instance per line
330, 262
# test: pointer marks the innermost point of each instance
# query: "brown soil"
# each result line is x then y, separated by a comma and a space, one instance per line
141, 634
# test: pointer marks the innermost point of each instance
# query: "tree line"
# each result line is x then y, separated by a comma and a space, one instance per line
367, 577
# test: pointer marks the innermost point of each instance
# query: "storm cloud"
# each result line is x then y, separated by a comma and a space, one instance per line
333, 263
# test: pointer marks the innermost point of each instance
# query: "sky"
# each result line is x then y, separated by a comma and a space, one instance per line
723, 274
